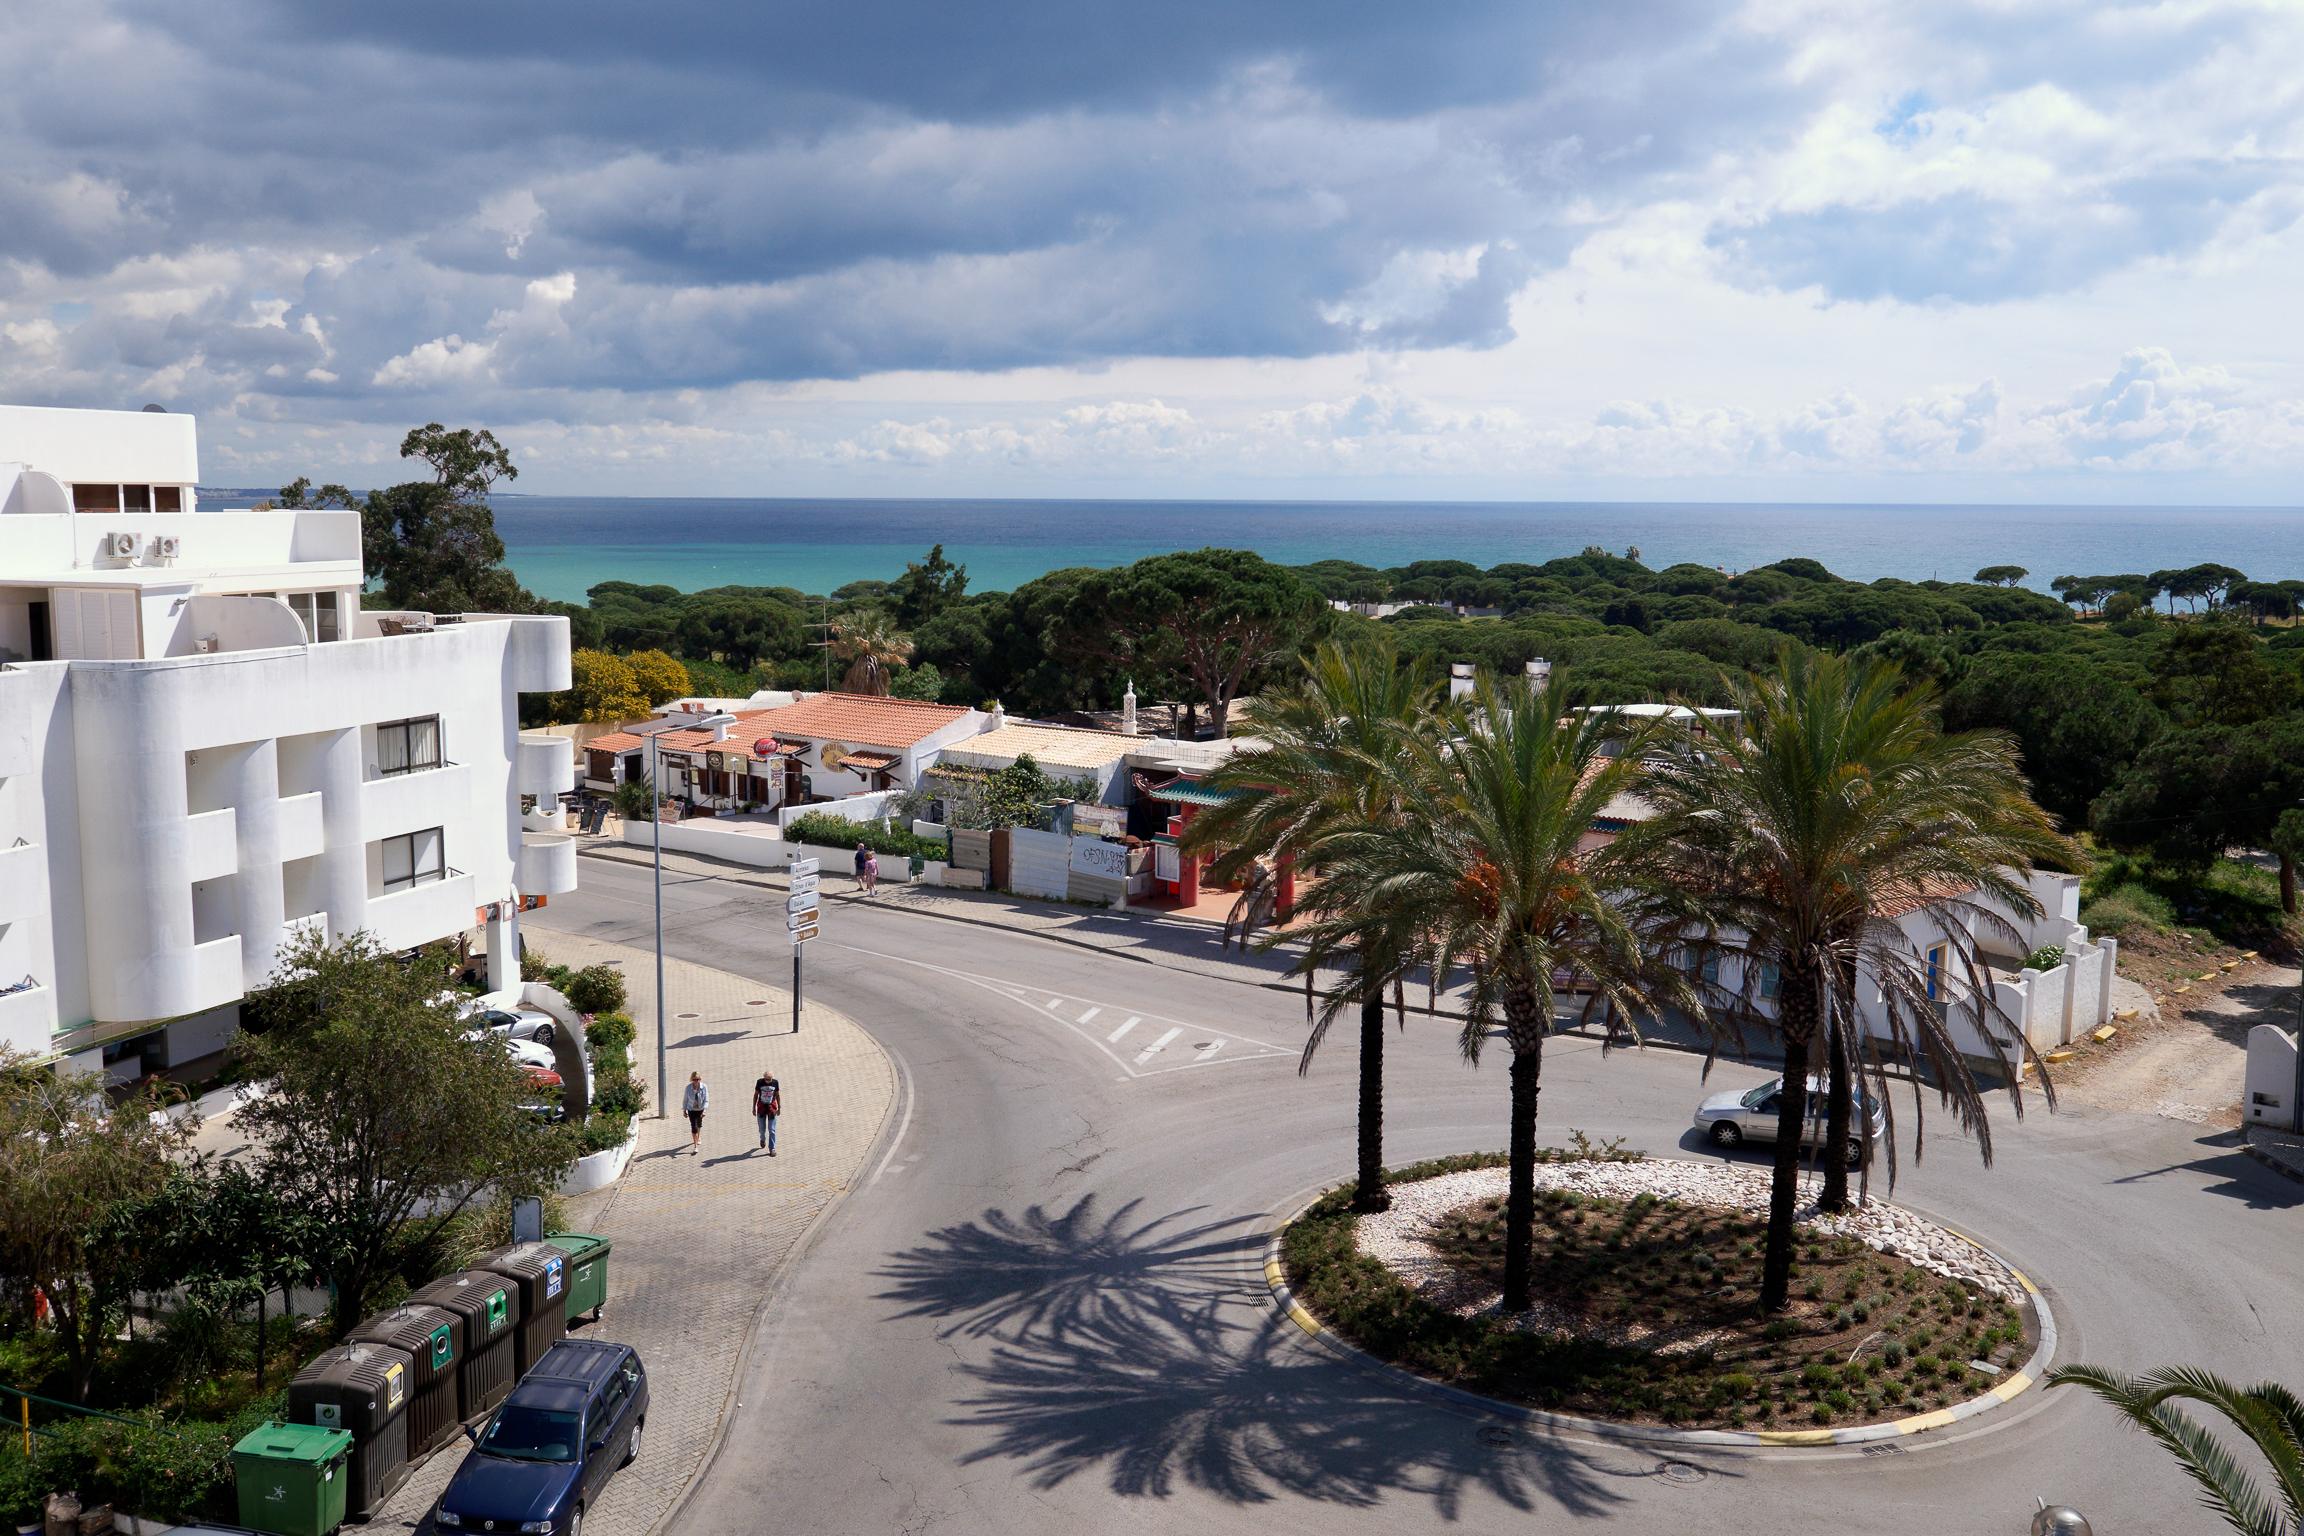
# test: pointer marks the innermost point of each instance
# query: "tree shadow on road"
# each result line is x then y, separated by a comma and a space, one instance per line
1148, 1351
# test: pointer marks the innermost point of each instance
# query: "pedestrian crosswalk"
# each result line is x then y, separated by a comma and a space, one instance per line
1142, 1044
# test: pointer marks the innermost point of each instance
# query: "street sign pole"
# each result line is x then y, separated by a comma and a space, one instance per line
800, 922
797, 947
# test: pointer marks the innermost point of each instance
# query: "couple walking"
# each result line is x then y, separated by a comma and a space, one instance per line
767, 1108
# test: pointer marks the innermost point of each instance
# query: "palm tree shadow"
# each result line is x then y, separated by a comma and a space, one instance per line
1135, 1347
1049, 1272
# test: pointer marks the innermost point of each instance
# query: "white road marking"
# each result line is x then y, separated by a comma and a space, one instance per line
1091, 1013
904, 1123
1055, 1002
1114, 1037
1206, 1051
1146, 1054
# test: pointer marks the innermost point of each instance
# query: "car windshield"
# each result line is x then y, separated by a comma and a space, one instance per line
1759, 1095
533, 1434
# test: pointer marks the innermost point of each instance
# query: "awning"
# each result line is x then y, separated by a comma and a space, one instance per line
1181, 791
871, 762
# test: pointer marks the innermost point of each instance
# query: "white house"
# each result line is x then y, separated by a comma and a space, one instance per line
206, 747
821, 746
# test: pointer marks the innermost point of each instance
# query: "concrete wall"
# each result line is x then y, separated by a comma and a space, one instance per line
2271, 1082
751, 849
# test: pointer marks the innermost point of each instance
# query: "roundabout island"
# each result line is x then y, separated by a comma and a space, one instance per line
1645, 1319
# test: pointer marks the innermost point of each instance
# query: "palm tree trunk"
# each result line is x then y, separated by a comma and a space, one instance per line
1791, 1118
1371, 1195
1520, 1202
1836, 1116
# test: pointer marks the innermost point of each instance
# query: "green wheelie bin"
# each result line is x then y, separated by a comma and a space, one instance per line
587, 1271
293, 1478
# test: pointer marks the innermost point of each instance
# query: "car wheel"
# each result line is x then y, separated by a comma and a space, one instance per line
547, 1036
1727, 1133
1855, 1154
632, 1450
576, 1522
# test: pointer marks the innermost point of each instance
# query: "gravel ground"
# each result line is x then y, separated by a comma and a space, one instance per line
1398, 1238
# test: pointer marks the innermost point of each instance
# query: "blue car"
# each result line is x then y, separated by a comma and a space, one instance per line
548, 1450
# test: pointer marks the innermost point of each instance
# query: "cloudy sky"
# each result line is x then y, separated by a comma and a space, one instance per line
1815, 249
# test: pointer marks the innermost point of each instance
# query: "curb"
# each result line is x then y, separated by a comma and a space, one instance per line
2280, 1166
1289, 1309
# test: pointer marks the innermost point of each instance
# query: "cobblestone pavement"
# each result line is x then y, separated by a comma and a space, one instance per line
700, 1240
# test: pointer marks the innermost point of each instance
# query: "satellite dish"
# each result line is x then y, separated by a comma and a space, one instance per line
833, 754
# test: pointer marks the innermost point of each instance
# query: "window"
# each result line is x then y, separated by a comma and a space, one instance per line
407, 746
317, 612
135, 498
413, 858
1936, 973
167, 498
95, 498
1771, 979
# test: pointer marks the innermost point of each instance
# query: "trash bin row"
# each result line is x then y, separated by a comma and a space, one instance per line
404, 1381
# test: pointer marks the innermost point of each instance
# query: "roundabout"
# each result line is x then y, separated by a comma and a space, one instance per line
1645, 1325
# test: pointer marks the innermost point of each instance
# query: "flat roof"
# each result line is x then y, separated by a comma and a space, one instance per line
1057, 746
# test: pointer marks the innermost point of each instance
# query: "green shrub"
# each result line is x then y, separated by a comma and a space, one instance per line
596, 989
2046, 958
823, 831
609, 1034
2127, 910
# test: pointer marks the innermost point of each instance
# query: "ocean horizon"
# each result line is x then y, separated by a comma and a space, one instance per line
561, 546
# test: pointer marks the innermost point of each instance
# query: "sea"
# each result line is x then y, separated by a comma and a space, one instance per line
561, 546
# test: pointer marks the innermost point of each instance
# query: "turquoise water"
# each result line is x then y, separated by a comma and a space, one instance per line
561, 546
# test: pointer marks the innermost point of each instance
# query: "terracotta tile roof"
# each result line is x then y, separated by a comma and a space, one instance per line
1056, 746
856, 719
871, 761
614, 741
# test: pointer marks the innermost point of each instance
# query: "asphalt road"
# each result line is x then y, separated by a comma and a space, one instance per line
1044, 1311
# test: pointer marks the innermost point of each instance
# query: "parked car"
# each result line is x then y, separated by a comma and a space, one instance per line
526, 1052
548, 1450
1733, 1118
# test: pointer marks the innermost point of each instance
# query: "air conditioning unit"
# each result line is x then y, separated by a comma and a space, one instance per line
171, 545
122, 546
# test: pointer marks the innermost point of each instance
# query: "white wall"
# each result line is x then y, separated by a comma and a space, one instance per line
2271, 1082
119, 447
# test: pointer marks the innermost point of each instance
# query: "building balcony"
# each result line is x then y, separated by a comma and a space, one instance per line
23, 883
438, 909
27, 1016
301, 833
547, 864
211, 845
536, 656
546, 765
314, 923
409, 802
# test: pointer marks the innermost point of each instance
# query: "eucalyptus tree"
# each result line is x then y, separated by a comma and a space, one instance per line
1796, 840
1341, 745
1493, 869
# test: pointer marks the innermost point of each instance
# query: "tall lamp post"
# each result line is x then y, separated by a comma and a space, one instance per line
656, 820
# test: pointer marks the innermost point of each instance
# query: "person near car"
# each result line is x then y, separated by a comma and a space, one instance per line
695, 1099
767, 1106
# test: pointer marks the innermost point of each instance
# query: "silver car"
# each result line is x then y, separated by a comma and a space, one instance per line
1731, 1119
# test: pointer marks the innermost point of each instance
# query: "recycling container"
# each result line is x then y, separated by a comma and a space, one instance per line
292, 1478
363, 1390
541, 1273
490, 1307
434, 1340
587, 1271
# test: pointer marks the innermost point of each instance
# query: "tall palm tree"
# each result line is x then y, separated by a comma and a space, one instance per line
868, 640
2268, 1414
1340, 744
1492, 869
1798, 837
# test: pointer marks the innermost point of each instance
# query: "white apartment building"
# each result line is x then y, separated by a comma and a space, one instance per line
207, 746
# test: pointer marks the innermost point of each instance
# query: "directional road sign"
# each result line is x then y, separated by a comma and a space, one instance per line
800, 901
803, 885
803, 935
799, 918
803, 867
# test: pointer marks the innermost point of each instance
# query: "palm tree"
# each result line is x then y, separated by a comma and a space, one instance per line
1339, 746
1796, 840
868, 640
1491, 869
2268, 1414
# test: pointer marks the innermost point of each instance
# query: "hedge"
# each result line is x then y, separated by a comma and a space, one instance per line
823, 831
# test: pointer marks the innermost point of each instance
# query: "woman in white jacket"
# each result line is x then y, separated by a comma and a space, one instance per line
695, 1099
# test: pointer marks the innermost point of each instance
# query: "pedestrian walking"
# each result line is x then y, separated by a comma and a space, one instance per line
695, 1099
863, 869
871, 873
767, 1105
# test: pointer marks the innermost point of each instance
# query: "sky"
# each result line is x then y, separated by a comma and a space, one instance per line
1969, 250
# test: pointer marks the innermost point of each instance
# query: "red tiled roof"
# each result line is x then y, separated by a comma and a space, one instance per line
871, 762
859, 719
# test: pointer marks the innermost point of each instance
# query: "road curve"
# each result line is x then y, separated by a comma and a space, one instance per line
1044, 1310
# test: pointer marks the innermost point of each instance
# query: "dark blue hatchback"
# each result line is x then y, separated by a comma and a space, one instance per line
548, 1450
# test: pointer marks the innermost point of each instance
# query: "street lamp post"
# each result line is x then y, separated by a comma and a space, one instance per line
656, 820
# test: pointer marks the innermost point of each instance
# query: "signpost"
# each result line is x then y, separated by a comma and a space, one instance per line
800, 914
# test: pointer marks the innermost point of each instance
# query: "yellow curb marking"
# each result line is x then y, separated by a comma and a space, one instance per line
1921, 1421
1272, 1272
1304, 1319
2011, 1386
1795, 1436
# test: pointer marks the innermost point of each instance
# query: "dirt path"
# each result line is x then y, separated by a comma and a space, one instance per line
2188, 1066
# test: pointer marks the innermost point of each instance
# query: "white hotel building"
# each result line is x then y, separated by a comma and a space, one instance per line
207, 746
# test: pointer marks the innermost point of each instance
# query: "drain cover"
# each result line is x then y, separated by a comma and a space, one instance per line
755, 1002
687, 1015
1495, 1434
1679, 1472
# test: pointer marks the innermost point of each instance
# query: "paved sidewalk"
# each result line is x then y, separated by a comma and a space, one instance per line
1187, 944
699, 1241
